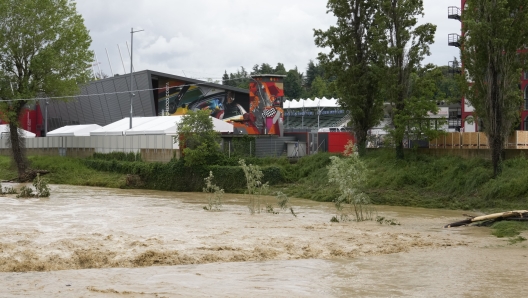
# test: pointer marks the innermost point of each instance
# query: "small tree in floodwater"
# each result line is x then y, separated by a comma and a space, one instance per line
255, 187
214, 194
349, 173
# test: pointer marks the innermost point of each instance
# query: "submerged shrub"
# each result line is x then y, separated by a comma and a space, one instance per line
215, 194
349, 173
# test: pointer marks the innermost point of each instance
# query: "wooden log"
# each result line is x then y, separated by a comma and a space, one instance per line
508, 215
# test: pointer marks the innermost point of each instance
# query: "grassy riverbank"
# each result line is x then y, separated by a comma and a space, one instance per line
418, 180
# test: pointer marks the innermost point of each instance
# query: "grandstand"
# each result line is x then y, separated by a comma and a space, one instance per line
314, 114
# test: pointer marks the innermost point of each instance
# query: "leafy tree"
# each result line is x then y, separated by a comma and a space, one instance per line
420, 99
265, 68
493, 33
293, 87
312, 71
44, 49
280, 69
225, 79
448, 86
240, 79
356, 60
407, 45
199, 140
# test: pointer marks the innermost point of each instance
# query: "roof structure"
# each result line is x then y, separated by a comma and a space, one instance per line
119, 127
4, 131
311, 103
157, 125
74, 130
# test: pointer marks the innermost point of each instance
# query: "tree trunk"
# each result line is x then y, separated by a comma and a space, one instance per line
16, 141
361, 141
399, 150
496, 156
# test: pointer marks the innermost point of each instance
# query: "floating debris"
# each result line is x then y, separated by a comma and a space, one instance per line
517, 215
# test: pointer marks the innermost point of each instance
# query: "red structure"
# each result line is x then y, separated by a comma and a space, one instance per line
30, 119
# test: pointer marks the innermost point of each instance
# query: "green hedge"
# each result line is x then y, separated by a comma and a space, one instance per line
174, 176
122, 156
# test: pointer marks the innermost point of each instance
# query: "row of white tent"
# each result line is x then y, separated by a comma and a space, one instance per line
311, 103
158, 125
4, 132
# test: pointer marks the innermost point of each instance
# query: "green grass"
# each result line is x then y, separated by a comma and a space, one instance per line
417, 181
65, 170
510, 229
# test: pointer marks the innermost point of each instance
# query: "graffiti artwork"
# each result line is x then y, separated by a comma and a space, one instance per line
262, 114
182, 98
265, 115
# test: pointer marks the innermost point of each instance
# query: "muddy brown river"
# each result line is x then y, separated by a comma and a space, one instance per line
96, 242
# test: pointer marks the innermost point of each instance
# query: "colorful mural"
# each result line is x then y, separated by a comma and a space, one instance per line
181, 98
265, 116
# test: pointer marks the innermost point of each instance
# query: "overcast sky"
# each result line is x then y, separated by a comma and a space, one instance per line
202, 38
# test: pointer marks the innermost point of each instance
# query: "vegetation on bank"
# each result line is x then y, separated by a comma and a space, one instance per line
418, 180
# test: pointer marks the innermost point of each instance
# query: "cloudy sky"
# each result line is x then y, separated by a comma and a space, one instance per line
204, 38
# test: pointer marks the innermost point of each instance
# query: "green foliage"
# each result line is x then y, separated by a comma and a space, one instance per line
407, 44
26, 192
349, 174
509, 229
293, 84
121, 156
44, 49
356, 61
215, 194
41, 186
199, 140
255, 187
493, 33
243, 146
421, 98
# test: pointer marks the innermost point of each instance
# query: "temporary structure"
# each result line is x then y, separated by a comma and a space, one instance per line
158, 125
4, 132
74, 130
119, 127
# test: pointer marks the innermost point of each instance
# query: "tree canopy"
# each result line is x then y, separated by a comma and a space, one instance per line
44, 49
199, 140
355, 60
494, 55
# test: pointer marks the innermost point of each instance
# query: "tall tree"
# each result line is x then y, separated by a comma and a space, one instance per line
356, 60
280, 69
494, 33
293, 84
225, 78
407, 46
43, 50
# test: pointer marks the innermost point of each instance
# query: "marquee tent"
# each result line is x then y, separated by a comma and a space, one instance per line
4, 132
74, 130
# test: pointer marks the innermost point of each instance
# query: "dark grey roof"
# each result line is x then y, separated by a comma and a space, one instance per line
195, 81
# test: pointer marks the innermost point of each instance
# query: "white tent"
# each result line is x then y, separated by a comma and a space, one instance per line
162, 125
157, 125
118, 128
311, 103
4, 132
74, 130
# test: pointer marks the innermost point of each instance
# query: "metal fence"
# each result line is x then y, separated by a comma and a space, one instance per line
101, 144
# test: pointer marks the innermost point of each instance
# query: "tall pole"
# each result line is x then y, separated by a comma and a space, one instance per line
131, 72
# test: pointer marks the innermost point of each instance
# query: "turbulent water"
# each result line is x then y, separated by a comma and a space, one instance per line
88, 242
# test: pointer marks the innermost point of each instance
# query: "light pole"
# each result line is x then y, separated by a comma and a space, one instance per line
131, 72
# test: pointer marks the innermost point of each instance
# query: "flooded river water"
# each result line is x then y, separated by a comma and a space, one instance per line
91, 242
